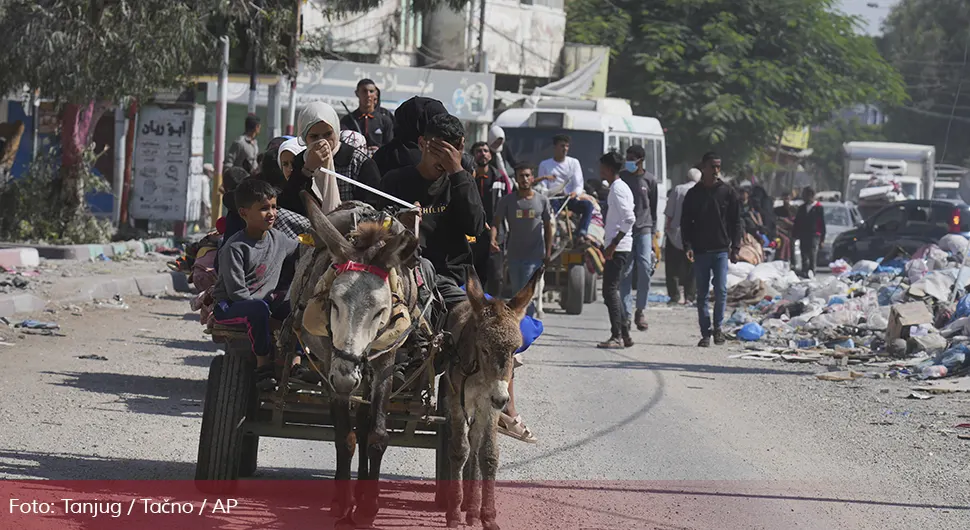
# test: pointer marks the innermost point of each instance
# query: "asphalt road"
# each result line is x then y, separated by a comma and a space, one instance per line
661, 435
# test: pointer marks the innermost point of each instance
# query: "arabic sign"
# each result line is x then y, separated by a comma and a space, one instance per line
467, 95
168, 163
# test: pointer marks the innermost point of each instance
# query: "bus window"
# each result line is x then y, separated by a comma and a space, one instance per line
624, 144
661, 171
613, 143
650, 160
637, 140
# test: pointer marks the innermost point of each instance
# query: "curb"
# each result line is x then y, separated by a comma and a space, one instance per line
139, 247
148, 285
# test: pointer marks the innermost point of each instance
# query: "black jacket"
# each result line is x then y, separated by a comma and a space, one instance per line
451, 209
810, 224
377, 128
711, 219
644, 188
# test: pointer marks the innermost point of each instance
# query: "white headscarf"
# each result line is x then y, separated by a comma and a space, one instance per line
495, 133
292, 145
324, 184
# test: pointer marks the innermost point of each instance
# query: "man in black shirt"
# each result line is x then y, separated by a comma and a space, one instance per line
451, 208
492, 186
711, 227
370, 119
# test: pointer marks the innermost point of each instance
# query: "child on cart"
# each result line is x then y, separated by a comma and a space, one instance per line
255, 268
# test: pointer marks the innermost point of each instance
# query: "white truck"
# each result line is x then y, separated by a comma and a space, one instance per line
908, 168
948, 180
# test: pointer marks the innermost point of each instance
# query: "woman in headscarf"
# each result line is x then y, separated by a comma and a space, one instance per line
288, 151
410, 120
320, 133
269, 169
500, 160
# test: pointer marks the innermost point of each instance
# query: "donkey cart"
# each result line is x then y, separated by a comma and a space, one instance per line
568, 273
235, 414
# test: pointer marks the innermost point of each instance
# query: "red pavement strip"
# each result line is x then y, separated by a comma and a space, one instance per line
30, 505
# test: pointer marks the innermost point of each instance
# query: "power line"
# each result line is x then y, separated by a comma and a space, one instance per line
946, 141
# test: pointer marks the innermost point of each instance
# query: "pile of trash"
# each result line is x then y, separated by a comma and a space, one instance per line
911, 316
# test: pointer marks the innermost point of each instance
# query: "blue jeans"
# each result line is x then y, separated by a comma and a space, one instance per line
706, 266
255, 315
642, 266
583, 208
520, 271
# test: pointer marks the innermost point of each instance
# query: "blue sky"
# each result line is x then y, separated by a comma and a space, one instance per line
873, 15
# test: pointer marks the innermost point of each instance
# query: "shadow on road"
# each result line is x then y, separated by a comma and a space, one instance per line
180, 344
172, 396
202, 361
186, 316
668, 367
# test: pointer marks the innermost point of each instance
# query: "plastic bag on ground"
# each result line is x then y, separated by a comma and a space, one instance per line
891, 294
877, 318
751, 331
960, 326
916, 269
796, 292
834, 320
954, 244
937, 284
777, 327
936, 259
839, 266
768, 271
833, 287
741, 268
865, 266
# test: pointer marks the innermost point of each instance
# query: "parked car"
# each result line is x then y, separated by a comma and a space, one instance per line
839, 217
907, 225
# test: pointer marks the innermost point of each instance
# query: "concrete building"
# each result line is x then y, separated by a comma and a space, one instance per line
389, 35
522, 40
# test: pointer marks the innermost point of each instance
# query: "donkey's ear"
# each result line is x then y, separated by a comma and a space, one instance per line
474, 290
519, 304
398, 249
328, 234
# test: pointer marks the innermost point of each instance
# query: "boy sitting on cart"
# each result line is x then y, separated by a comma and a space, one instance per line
255, 267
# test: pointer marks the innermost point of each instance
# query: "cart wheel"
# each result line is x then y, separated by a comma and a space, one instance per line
220, 441
442, 463
590, 288
573, 294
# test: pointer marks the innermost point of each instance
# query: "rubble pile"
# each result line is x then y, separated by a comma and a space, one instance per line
910, 316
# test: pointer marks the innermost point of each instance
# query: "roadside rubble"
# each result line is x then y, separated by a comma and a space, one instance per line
897, 317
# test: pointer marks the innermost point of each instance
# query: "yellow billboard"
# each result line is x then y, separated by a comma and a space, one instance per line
796, 138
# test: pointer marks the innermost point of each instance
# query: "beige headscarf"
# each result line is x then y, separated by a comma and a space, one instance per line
324, 185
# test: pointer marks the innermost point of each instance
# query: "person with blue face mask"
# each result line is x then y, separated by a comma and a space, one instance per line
644, 187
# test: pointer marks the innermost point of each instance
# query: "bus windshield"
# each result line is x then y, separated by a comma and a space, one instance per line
535, 145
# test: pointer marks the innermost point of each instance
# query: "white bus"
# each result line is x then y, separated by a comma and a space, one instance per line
595, 127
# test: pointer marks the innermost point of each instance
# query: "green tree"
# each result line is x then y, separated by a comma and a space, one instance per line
732, 75
928, 42
90, 54
826, 143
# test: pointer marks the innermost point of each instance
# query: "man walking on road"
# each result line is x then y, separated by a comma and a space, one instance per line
492, 186
809, 228
679, 269
711, 226
529, 242
644, 188
243, 152
620, 218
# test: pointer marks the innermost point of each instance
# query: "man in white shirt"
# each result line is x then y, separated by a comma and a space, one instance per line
620, 217
679, 270
563, 175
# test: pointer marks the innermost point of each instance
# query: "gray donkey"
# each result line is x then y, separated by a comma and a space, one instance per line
344, 301
485, 334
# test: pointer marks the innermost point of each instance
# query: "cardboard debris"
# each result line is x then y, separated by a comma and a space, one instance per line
903, 316
847, 375
945, 386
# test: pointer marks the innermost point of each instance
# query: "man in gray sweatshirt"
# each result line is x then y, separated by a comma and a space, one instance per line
644, 187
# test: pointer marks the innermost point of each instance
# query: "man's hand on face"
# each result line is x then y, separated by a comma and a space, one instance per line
446, 154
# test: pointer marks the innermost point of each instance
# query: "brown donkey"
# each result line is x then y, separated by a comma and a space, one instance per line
486, 334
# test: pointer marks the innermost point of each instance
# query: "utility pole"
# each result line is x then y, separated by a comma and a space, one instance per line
481, 36
220, 139
294, 58
254, 56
